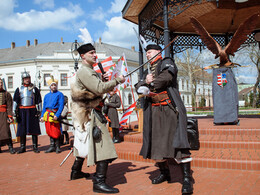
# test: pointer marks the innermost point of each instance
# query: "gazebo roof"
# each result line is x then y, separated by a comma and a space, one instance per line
218, 17
221, 18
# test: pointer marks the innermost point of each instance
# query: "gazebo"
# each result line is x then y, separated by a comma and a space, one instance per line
161, 21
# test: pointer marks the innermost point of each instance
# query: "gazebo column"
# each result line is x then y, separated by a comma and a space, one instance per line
166, 28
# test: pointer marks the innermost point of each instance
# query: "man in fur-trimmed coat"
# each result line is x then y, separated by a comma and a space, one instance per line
87, 95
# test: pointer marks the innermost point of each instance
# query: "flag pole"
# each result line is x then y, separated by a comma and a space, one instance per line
134, 98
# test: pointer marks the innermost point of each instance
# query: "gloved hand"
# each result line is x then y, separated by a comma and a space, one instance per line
143, 90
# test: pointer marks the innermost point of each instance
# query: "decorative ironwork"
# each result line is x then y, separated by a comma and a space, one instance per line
154, 12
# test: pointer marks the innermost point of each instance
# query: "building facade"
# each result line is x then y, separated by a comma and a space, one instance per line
55, 58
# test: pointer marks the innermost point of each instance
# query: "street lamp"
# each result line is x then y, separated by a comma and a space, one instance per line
75, 54
39, 77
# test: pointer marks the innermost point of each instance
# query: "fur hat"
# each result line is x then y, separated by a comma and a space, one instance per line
85, 48
153, 46
51, 80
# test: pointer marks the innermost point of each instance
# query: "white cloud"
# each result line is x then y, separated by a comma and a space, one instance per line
98, 14
120, 32
117, 6
246, 79
6, 8
85, 36
37, 20
45, 4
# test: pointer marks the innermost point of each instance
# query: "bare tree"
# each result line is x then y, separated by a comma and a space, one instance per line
254, 55
189, 62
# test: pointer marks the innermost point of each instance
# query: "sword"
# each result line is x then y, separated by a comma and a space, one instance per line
151, 58
66, 157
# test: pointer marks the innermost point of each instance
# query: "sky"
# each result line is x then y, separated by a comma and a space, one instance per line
49, 20
81, 20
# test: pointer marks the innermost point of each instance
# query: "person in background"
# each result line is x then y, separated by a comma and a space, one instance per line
113, 103
91, 137
27, 107
165, 120
6, 117
64, 127
52, 107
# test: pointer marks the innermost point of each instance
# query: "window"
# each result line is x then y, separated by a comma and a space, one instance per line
44, 78
183, 99
10, 82
199, 90
188, 99
63, 79
187, 83
129, 98
182, 84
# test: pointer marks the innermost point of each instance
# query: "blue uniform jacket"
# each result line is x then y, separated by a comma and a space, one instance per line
53, 100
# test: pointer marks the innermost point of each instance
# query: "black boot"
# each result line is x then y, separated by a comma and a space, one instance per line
99, 179
67, 137
61, 139
187, 186
52, 146
0, 149
35, 143
23, 144
164, 175
116, 138
57, 143
10, 145
76, 172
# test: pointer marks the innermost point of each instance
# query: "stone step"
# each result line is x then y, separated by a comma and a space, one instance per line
242, 159
213, 141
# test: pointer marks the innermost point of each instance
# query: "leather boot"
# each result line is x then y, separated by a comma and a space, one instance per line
35, 143
23, 144
61, 139
10, 145
187, 186
57, 143
99, 179
116, 138
52, 146
164, 175
76, 172
67, 137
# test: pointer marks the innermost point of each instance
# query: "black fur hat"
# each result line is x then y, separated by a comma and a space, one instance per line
153, 46
85, 48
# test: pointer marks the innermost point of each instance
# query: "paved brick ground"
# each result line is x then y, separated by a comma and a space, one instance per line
31, 173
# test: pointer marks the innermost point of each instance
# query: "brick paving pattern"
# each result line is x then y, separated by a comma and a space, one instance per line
31, 173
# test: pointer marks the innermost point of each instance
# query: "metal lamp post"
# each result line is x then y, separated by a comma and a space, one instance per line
75, 54
39, 77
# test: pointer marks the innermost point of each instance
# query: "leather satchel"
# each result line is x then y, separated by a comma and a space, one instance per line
97, 133
193, 133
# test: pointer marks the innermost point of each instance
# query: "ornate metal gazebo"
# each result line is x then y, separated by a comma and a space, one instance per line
162, 20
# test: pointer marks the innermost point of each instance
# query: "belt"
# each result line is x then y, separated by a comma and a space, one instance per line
51, 110
26, 107
161, 99
2, 108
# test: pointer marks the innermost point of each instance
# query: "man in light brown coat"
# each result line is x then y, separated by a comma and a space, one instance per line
87, 98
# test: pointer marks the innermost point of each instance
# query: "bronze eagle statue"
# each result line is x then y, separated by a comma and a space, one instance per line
239, 38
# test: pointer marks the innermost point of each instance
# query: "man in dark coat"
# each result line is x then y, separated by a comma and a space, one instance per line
114, 103
6, 118
27, 108
165, 120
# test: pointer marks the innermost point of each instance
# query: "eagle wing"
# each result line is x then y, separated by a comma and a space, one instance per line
211, 44
240, 35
